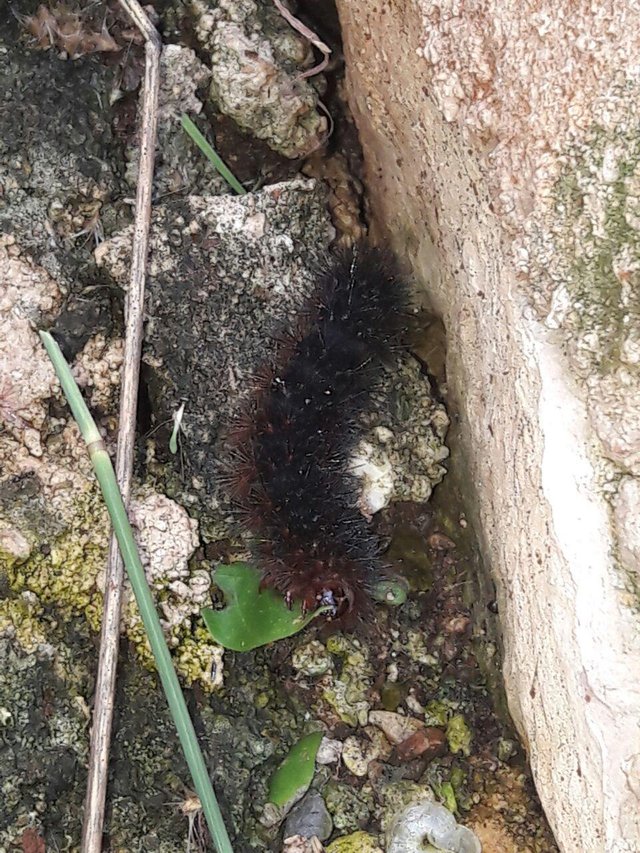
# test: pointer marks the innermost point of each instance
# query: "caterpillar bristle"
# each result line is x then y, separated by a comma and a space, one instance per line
291, 444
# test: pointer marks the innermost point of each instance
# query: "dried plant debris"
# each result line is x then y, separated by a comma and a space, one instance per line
67, 30
97, 28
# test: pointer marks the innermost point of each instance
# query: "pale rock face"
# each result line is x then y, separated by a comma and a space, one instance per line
502, 154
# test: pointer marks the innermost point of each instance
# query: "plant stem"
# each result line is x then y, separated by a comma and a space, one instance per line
109, 486
106, 674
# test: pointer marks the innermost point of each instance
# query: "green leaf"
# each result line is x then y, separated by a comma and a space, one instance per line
293, 777
447, 794
252, 617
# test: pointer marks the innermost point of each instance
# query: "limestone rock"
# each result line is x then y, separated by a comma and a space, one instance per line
503, 154
256, 62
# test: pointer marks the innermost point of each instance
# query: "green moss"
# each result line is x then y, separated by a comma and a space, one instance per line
348, 692
357, 842
199, 660
459, 735
21, 618
592, 230
65, 571
392, 693
436, 714
349, 808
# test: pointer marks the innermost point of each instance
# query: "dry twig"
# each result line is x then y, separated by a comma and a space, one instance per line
106, 678
309, 35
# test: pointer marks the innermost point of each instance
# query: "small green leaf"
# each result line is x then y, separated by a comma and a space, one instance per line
447, 794
252, 617
293, 777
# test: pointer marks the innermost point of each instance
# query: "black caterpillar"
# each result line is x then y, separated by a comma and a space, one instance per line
290, 472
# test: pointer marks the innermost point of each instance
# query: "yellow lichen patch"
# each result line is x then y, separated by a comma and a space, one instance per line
357, 842
348, 693
67, 572
200, 660
196, 657
64, 571
20, 618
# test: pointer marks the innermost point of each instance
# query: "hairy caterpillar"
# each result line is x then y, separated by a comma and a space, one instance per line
290, 472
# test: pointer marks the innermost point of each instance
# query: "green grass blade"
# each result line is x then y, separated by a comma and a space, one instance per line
177, 705
212, 155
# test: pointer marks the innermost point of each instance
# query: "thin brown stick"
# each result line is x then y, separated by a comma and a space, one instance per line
309, 34
108, 660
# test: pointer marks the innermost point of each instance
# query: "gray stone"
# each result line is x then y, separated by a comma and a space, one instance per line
308, 818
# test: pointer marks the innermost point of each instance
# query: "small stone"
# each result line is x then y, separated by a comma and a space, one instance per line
440, 542
427, 742
312, 659
392, 694
309, 818
396, 727
298, 844
13, 544
507, 748
329, 751
349, 807
414, 705
357, 754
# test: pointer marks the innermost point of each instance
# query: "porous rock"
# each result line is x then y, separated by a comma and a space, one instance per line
257, 60
181, 166
53, 523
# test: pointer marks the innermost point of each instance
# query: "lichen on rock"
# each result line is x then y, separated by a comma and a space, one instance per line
181, 166
256, 60
347, 693
53, 523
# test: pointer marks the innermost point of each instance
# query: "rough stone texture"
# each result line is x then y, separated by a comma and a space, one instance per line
502, 153
256, 64
309, 817
97, 372
56, 169
181, 167
45, 700
53, 524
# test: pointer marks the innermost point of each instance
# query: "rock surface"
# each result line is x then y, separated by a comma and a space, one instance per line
502, 152
309, 818
257, 61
